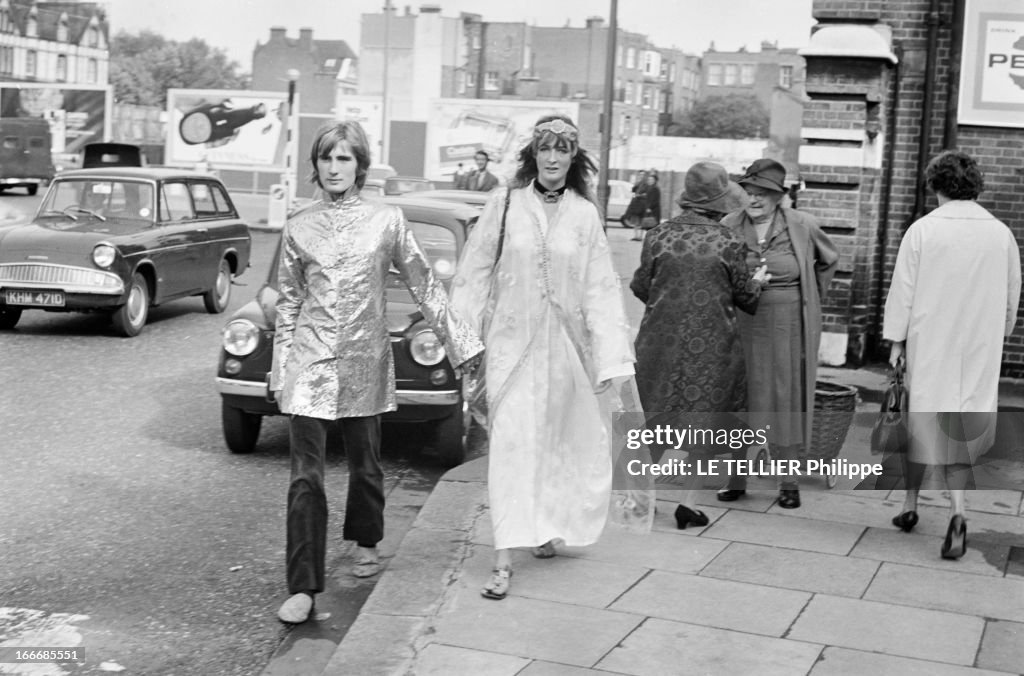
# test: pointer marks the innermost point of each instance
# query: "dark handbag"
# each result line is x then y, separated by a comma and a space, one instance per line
890, 434
475, 384
648, 221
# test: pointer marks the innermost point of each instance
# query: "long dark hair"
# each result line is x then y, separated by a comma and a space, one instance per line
580, 169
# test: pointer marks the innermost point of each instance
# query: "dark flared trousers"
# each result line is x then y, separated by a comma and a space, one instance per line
307, 500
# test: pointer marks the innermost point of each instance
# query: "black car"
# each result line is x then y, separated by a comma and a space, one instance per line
428, 390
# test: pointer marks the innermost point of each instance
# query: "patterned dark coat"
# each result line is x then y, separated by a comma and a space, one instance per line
693, 275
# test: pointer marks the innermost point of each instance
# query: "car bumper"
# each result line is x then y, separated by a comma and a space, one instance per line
258, 390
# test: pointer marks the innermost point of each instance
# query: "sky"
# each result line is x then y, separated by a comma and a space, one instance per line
235, 26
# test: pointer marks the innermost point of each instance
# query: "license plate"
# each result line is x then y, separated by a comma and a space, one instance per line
37, 298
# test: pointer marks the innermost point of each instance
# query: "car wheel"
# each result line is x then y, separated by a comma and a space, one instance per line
131, 317
9, 317
32, 189
449, 439
217, 298
241, 429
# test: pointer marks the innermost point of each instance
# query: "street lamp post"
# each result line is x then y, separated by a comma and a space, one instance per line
606, 116
291, 155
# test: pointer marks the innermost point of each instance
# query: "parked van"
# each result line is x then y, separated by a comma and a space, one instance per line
25, 160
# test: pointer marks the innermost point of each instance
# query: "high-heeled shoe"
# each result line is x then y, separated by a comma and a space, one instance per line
905, 521
686, 516
955, 543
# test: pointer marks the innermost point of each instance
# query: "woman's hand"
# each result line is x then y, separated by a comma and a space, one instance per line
896, 353
761, 276
470, 366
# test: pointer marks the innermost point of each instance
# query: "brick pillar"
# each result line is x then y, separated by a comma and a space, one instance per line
841, 155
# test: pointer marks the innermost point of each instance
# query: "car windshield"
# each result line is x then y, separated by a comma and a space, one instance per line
101, 198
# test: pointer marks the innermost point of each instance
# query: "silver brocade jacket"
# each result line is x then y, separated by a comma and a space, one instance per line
332, 354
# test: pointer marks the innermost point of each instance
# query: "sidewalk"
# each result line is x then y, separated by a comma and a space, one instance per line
830, 588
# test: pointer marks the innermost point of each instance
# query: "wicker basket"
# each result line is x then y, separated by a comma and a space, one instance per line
834, 406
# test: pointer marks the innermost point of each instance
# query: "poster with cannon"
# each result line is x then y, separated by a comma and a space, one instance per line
226, 128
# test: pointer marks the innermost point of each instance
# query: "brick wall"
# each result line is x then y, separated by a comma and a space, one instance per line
999, 151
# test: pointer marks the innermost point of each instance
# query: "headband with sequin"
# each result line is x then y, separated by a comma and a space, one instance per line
559, 127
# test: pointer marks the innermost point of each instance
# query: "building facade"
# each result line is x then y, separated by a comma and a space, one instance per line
324, 67
883, 82
65, 42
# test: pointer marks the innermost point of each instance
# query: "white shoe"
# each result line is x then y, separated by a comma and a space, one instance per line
296, 609
367, 562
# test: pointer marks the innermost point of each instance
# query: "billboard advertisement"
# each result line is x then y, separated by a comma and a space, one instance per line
78, 114
458, 128
226, 128
992, 69
368, 112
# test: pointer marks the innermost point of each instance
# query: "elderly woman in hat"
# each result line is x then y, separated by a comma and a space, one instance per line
781, 340
693, 275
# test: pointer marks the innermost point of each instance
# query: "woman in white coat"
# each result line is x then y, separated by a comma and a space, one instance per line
536, 280
953, 300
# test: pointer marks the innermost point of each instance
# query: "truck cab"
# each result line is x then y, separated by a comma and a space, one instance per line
25, 160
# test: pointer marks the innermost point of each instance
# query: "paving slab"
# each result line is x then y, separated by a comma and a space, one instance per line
949, 590
570, 580
895, 630
360, 652
443, 660
793, 569
716, 603
1003, 646
852, 507
667, 551
538, 668
914, 549
846, 662
662, 647
531, 628
778, 530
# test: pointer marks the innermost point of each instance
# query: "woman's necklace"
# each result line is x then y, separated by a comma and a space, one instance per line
549, 196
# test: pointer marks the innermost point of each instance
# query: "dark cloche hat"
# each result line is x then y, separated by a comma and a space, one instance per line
765, 173
707, 186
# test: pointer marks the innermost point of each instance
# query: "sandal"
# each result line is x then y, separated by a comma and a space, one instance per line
545, 551
497, 587
367, 565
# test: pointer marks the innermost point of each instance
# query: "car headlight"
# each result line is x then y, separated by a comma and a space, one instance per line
426, 349
241, 337
103, 255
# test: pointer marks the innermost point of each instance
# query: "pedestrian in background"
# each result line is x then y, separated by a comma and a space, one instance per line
952, 302
652, 212
692, 278
480, 179
781, 339
459, 178
332, 354
536, 279
637, 206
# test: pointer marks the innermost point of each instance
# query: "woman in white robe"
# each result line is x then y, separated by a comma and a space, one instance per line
548, 303
953, 300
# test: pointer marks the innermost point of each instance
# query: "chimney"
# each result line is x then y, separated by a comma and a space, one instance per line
277, 34
306, 39
595, 22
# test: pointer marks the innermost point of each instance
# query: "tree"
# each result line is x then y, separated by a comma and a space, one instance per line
144, 66
730, 116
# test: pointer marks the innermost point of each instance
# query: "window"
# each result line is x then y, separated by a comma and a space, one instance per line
31, 63
491, 80
92, 37
786, 76
36, 142
62, 68
6, 25
220, 199
92, 71
646, 97
62, 30
624, 125
747, 74
330, 64
630, 58
476, 41
645, 129
10, 143
32, 27
202, 197
650, 63
715, 74
460, 81
7, 60
175, 203
471, 80
629, 92
672, 73
730, 74
527, 58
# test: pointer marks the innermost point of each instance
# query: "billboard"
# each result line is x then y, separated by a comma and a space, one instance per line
78, 114
368, 112
992, 67
458, 128
226, 128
